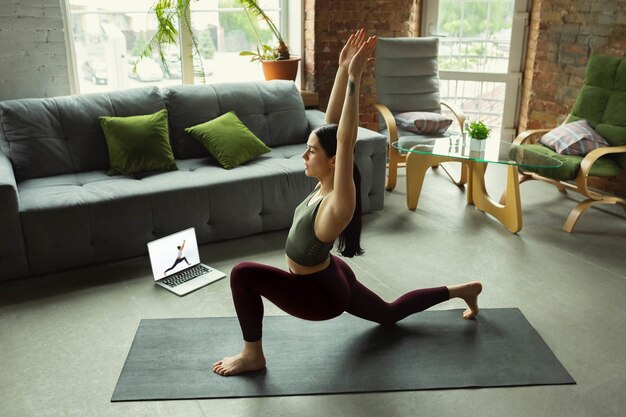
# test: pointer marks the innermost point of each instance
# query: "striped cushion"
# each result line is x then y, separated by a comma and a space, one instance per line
425, 123
576, 138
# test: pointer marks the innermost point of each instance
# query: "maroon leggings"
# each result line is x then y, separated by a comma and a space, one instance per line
319, 296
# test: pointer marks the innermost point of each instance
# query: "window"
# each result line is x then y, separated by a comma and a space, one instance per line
110, 35
480, 57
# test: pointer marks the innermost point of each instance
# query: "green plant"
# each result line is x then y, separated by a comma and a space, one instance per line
478, 130
264, 52
139, 44
168, 13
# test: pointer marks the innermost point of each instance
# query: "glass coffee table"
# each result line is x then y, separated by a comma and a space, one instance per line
426, 153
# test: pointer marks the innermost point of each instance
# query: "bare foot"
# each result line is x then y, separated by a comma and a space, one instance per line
469, 293
251, 358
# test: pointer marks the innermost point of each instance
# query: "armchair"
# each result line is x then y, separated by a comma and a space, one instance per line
407, 80
602, 102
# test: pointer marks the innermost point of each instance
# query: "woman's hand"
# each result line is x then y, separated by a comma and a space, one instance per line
361, 57
355, 41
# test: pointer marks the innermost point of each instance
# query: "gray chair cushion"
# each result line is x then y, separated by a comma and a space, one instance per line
407, 75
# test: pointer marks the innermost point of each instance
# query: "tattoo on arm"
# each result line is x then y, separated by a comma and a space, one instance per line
351, 87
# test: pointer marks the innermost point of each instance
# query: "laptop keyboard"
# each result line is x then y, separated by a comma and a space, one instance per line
184, 276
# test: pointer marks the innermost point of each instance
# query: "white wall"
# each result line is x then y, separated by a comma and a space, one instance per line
33, 55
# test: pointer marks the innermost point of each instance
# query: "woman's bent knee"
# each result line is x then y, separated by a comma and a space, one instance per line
242, 272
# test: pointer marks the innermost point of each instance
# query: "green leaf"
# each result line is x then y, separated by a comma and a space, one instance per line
478, 130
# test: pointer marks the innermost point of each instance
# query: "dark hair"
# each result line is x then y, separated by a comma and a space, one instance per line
350, 237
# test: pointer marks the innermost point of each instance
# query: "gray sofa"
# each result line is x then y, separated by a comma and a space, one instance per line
59, 208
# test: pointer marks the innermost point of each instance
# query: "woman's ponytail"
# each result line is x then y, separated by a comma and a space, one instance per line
350, 239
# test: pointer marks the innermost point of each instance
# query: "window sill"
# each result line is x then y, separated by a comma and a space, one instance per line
310, 98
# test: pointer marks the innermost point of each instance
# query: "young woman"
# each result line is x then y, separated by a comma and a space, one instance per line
318, 285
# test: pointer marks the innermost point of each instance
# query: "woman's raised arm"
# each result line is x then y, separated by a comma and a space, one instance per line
342, 202
338, 92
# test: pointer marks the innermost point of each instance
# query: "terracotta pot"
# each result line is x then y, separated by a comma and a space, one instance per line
284, 69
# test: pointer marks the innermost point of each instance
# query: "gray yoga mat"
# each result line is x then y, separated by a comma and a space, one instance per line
172, 358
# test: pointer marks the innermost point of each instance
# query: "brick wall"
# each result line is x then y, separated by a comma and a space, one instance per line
33, 58
329, 23
563, 33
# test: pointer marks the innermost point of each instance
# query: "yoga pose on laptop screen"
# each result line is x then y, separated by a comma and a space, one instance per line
179, 258
318, 285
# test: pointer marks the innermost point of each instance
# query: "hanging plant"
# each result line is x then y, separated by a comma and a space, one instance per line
167, 14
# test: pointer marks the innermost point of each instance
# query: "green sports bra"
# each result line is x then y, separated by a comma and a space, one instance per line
302, 245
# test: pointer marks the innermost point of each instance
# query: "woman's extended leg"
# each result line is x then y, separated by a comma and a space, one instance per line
366, 304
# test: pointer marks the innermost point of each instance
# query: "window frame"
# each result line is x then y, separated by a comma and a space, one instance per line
290, 18
512, 79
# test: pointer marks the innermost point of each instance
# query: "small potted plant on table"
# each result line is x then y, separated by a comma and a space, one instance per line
478, 133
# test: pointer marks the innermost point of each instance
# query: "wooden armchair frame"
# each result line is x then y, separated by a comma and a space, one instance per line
580, 182
396, 158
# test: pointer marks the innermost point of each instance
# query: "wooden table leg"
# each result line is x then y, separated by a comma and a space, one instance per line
509, 213
416, 167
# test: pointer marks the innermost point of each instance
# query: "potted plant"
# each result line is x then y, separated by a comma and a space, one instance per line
478, 133
277, 62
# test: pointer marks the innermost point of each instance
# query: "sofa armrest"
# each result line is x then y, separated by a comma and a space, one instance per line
8, 186
370, 155
13, 260
316, 118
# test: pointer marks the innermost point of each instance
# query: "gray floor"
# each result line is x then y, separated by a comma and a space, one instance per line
64, 337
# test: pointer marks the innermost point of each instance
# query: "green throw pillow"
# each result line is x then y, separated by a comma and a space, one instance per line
138, 143
228, 140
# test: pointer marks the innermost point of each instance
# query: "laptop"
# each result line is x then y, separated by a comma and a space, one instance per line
176, 263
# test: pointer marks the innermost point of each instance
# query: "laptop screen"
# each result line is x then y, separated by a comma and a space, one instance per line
173, 253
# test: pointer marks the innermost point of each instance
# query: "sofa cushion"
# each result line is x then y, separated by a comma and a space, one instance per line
138, 143
87, 215
62, 135
272, 110
228, 140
